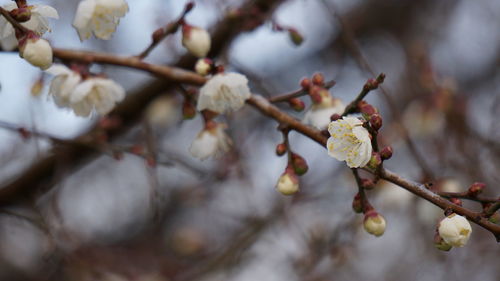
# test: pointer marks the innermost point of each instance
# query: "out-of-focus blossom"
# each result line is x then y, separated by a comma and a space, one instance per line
94, 93
455, 230
203, 66
349, 142
224, 93
319, 114
99, 17
196, 40
163, 111
38, 23
211, 141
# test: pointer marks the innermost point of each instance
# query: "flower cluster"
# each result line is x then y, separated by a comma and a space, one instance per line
70, 90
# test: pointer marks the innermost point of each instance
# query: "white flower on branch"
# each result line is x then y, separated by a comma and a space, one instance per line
99, 17
319, 114
455, 230
224, 92
288, 183
349, 142
36, 51
38, 23
196, 40
211, 141
95, 93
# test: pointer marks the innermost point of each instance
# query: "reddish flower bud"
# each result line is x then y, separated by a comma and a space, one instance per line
335, 117
456, 201
315, 93
305, 83
476, 188
281, 149
188, 110
158, 35
318, 79
357, 204
110, 123
376, 121
371, 84
386, 153
299, 164
366, 108
21, 14
297, 104
25, 134
367, 184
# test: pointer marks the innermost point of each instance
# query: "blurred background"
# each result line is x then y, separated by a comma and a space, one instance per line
222, 219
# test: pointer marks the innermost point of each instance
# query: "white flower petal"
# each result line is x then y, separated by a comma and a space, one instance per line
46, 11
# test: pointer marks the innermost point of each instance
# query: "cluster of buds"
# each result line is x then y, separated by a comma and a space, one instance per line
373, 84
476, 188
288, 183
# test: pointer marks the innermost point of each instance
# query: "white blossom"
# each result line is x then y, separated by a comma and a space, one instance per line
224, 92
210, 142
100, 17
38, 23
349, 141
163, 112
37, 52
455, 230
319, 114
196, 40
83, 96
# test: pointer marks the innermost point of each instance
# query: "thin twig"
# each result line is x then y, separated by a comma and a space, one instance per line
297, 93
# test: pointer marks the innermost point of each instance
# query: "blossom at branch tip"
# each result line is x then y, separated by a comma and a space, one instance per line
319, 114
224, 93
36, 51
349, 142
38, 23
99, 17
211, 142
455, 230
196, 40
84, 96
288, 183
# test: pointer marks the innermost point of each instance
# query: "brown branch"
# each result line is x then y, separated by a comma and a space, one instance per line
12, 21
352, 107
297, 93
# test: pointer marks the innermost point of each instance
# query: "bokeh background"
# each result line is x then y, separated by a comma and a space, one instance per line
222, 219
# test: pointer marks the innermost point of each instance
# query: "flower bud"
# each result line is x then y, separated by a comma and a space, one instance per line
158, 35
375, 161
366, 108
36, 51
196, 40
21, 14
357, 204
456, 201
376, 121
297, 104
281, 149
386, 153
371, 84
476, 188
305, 83
367, 184
374, 223
288, 183
335, 117
318, 79
203, 66
455, 230
315, 93
188, 110
299, 164
440, 244
295, 36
